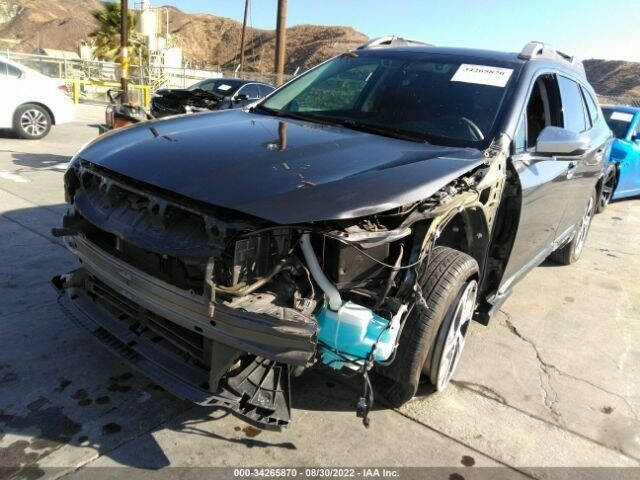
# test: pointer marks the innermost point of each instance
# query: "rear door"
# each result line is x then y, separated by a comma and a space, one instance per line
11, 93
583, 170
542, 180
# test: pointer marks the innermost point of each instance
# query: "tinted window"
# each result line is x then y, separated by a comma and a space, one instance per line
618, 121
265, 90
251, 91
433, 98
572, 107
591, 106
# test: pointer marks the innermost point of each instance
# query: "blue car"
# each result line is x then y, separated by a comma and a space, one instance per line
623, 176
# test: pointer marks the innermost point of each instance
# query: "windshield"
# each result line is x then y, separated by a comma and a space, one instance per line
221, 86
435, 98
618, 121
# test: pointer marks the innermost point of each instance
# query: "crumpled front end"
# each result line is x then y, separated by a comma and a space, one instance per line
172, 289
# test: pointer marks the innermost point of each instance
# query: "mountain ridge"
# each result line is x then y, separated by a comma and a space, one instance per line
210, 41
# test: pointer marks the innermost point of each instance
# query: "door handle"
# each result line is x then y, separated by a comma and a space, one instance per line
571, 169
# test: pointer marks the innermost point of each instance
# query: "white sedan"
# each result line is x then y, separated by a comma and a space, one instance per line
31, 102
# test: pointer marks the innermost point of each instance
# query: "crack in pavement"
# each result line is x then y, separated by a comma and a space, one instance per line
550, 395
549, 368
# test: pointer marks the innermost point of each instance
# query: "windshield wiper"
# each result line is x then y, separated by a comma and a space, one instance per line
297, 116
378, 130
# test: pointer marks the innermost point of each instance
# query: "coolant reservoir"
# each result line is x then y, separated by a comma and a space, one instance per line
352, 331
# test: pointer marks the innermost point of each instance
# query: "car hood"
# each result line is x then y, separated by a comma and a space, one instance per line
281, 170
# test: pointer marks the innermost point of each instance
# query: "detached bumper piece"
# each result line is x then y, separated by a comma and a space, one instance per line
184, 362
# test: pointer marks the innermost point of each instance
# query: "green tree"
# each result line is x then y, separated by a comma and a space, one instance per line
106, 38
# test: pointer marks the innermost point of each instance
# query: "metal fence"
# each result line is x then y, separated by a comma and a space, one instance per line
92, 74
609, 100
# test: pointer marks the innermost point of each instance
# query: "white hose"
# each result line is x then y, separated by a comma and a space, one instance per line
330, 290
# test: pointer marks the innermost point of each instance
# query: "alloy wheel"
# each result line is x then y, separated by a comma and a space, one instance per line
34, 122
456, 335
607, 190
584, 228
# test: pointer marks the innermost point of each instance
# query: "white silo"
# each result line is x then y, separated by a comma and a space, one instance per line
148, 23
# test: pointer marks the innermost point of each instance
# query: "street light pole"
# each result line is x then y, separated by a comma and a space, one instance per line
124, 54
244, 27
281, 39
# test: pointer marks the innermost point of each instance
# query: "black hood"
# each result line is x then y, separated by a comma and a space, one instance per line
285, 171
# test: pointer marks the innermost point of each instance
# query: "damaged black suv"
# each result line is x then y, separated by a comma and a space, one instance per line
357, 219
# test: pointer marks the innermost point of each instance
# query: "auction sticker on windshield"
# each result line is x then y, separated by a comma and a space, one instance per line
622, 116
482, 75
224, 87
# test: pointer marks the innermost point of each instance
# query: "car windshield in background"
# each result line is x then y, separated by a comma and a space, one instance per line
220, 86
438, 99
618, 121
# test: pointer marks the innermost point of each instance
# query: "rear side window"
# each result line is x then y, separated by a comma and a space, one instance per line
250, 90
265, 90
575, 116
591, 106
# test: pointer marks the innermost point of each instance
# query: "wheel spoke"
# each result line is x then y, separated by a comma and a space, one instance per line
455, 338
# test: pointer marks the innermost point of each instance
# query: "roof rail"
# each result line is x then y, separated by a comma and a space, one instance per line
390, 40
541, 50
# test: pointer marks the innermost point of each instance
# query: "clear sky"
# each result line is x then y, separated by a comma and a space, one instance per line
588, 28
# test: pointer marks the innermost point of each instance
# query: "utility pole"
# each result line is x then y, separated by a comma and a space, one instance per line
244, 28
124, 54
281, 39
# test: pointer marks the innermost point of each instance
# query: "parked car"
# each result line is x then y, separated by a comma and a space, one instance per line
31, 102
623, 170
359, 219
212, 94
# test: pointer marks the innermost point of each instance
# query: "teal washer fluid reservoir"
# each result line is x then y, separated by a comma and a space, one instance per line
353, 330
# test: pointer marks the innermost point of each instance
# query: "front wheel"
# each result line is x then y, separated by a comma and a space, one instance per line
433, 336
31, 122
571, 252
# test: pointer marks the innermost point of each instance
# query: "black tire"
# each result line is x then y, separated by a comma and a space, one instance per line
607, 189
31, 121
570, 253
443, 282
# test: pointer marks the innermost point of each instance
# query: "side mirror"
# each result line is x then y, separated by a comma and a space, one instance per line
241, 97
560, 141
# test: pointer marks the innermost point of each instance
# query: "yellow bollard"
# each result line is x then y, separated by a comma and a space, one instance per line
75, 91
146, 95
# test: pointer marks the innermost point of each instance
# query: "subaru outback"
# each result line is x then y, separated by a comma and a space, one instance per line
357, 219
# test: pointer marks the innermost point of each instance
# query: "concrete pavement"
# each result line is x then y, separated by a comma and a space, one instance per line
552, 382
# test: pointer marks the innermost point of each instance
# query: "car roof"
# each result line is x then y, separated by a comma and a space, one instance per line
452, 51
243, 80
623, 108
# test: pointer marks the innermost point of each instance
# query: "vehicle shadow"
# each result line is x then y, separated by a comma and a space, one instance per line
44, 161
7, 133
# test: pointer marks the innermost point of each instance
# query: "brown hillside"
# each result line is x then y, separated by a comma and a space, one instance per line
211, 41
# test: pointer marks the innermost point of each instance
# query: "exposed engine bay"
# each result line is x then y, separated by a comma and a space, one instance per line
174, 102
232, 305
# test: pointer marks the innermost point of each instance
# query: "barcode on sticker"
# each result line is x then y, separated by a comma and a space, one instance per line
482, 75
622, 117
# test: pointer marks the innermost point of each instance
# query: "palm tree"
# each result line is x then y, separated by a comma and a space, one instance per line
106, 38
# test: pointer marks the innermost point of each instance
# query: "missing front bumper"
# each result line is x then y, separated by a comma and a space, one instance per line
253, 387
